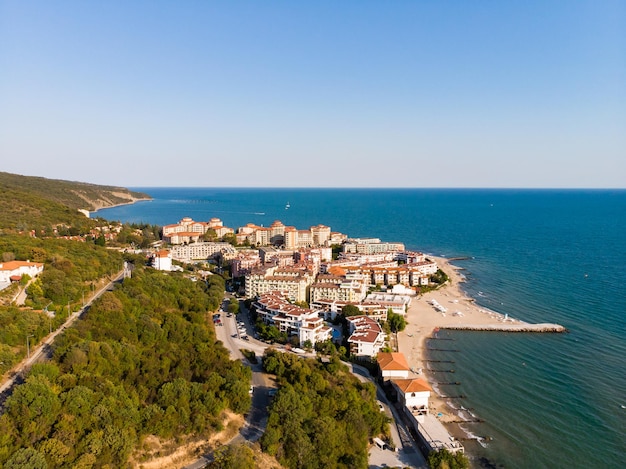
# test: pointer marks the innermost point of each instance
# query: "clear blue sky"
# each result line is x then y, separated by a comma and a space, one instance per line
315, 93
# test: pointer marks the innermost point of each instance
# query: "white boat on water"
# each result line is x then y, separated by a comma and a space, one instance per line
287, 206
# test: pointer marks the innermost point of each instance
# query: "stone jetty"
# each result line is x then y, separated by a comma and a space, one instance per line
545, 327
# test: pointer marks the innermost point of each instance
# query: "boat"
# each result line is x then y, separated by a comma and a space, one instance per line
287, 206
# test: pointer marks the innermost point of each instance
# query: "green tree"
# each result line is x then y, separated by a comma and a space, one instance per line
444, 459
350, 310
233, 306
210, 235
397, 323
236, 456
230, 238
27, 458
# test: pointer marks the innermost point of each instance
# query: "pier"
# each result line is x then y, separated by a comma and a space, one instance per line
546, 328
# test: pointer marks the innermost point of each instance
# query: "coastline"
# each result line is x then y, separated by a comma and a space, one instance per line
130, 202
423, 319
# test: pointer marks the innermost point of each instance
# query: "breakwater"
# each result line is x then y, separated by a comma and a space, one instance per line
545, 327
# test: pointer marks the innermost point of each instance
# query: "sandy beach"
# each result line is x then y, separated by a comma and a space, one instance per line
423, 318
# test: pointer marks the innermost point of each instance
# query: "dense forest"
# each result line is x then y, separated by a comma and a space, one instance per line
143, 361
322, 416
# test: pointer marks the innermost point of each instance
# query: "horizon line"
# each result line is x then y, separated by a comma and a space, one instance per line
380, 188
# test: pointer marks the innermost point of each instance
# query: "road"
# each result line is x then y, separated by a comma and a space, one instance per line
256, 418
43, 349
408, 454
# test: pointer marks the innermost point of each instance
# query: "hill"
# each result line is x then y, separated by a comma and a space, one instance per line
76, 195
36, 203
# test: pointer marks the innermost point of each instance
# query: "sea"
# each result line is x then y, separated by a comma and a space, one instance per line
557, 256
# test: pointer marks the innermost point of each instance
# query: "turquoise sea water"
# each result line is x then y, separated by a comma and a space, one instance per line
552, 401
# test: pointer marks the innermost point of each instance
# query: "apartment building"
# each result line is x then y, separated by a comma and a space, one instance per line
334, 288
189, 231
274, 309
294, 281
244, 262
331, 308
370, 246
200, 251
366, 336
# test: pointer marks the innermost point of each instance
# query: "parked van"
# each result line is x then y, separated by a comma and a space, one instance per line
380, 443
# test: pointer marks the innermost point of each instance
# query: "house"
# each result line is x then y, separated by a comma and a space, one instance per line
413, 394
392, 365
162, 260
12, 271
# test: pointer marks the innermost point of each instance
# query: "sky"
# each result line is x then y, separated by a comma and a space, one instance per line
315, 93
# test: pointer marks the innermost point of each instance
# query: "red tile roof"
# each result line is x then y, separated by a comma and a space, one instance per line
392, 361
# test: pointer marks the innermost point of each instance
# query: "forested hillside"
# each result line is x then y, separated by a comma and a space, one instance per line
322, 417
72, 270
25, 211
144, 361
72, 194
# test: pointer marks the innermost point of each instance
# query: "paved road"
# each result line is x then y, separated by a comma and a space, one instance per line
256, 418
408, 454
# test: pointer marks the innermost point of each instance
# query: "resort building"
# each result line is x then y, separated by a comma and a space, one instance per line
287, 236
244, 262
371, 246
273, 308
366, 336
200, 251
331, 308
396, 303
294, 281
189, 231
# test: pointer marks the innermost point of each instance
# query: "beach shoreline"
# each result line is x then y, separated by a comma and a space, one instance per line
134, 200
424, 319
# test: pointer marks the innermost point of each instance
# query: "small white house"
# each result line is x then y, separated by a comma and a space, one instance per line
162, 260
13, 270
413, 394
392, 365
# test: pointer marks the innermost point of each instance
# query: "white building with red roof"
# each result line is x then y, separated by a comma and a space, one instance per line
413, 393
189, 231
162, 260
366, 336
393, 365
12, 271
274, 309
